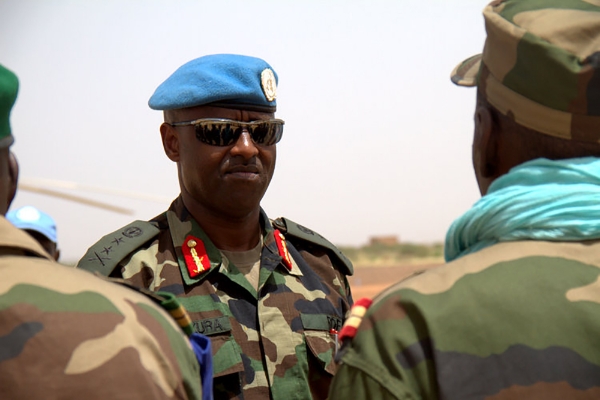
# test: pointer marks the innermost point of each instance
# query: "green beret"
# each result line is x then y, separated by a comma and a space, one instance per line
9, 85
541, 65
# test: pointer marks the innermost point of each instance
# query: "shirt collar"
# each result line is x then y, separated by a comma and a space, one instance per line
15, 238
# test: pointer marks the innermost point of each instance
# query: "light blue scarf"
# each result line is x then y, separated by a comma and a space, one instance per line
537, 200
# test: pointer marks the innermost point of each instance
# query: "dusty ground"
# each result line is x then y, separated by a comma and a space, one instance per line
368, 281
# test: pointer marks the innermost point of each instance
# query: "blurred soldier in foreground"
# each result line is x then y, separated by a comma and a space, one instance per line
66, 334
271, 294
515, 313
37, 224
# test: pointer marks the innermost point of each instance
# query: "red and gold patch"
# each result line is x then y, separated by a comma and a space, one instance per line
196, 258
357, 312
283, 250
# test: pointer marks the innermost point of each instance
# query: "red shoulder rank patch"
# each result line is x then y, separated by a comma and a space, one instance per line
196, 258
283, 250
357, 312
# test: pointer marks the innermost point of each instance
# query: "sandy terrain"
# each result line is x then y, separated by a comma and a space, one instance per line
368, 281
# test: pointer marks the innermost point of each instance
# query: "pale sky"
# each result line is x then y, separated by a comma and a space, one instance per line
377, 139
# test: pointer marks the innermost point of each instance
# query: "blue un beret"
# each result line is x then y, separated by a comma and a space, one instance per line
30, 218
225, 80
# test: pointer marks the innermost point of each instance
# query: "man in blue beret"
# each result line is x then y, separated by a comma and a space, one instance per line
271, 294
39, 225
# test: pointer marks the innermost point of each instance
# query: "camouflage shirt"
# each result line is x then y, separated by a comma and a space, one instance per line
272, 343
515, 320
68, 334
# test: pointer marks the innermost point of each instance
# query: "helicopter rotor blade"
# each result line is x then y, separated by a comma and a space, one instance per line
78, 199
36, 182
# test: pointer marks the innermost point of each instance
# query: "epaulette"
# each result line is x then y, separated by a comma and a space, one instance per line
350, 327
292, 229
106, 254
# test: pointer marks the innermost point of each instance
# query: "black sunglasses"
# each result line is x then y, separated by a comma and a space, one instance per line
225, 132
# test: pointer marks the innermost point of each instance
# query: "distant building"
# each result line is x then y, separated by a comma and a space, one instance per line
389, 240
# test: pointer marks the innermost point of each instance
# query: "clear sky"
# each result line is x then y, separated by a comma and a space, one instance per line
377, 139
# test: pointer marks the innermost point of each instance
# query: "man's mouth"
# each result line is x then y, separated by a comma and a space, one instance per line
243, 171
251, 169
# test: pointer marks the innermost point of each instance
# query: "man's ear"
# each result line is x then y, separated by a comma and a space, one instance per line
13, 171
485, 143
170, 140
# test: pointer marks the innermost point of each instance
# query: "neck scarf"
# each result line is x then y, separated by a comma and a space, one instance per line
538, 200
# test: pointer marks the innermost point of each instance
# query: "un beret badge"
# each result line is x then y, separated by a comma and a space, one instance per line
269, 86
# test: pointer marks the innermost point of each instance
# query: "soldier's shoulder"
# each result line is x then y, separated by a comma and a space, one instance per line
111, 249
295, 231
90, 307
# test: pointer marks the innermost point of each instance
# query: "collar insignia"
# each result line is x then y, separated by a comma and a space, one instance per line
283, 250
196, 258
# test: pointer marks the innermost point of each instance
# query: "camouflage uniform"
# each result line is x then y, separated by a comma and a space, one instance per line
452, 333
67, 334
517, 319
276, 343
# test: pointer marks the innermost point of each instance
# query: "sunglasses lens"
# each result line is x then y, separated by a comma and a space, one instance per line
221, 133
267, 133
216, 133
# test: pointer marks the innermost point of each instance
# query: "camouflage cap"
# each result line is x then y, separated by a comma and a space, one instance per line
9, 85
541, 64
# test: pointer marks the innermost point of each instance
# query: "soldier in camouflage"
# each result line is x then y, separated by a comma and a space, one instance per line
271, 294
66, 334
514, 312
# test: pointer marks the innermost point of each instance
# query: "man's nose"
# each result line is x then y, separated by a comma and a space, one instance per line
244, 146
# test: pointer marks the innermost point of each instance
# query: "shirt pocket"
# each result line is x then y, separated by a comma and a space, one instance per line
228, 367
227, 357
226, 352
321, 338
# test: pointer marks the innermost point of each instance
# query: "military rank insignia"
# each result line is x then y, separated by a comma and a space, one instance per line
283, 250
357, 312
196, 258
268, 83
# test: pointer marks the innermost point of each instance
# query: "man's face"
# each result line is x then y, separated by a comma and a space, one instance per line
227, 180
